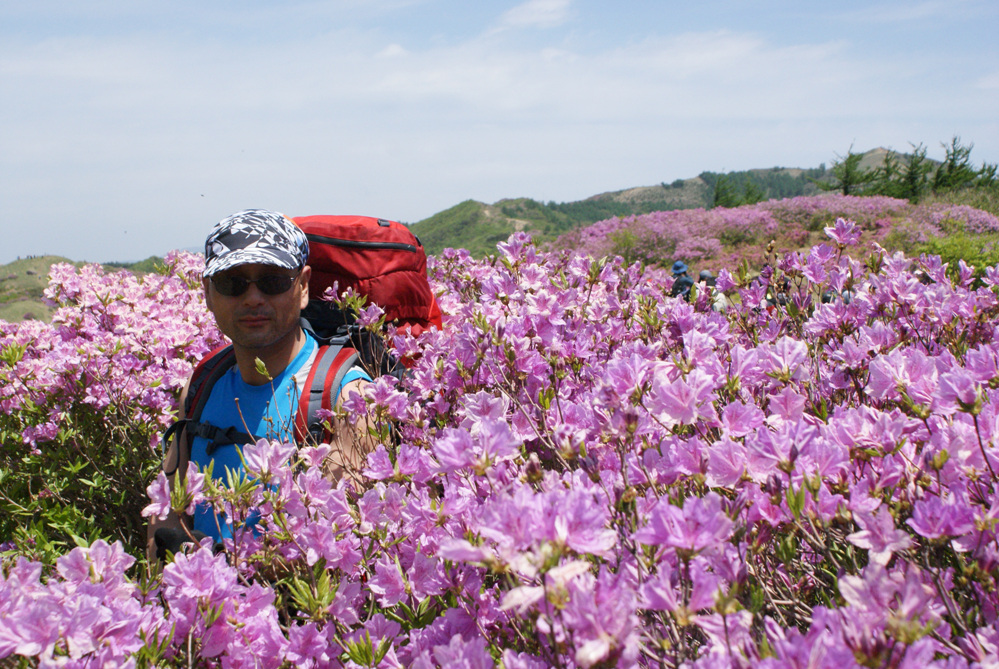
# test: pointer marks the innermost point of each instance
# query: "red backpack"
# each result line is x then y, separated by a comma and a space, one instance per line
379, 259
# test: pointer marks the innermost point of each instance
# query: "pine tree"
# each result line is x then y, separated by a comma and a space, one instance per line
725, 195
956, 171
850, 178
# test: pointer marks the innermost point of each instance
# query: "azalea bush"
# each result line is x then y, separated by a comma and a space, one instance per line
582, 471
728, 237
84, 398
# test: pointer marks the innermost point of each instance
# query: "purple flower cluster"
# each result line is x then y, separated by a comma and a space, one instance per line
959, 216
88, 614
583, 471
727, 237
117, 344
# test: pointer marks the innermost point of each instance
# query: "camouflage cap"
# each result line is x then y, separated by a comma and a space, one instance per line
255, 236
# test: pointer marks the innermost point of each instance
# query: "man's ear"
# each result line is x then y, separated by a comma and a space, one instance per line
305, 275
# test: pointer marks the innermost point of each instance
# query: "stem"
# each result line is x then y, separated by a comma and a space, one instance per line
981, 446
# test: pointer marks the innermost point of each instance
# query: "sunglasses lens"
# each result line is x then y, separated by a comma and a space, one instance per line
275, 284
230, 286
269, 284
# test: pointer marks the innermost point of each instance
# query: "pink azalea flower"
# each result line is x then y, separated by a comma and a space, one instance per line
683, 401
388, 582
159, 495
700, 525
370, 315
266, 458
844, 232
878, 535
937, 517
958, 391
740, 419
726, 463
454, 449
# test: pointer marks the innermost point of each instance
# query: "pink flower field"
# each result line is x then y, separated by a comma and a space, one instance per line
719, 238
580, 471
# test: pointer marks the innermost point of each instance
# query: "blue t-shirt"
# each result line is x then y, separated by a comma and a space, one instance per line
266, 412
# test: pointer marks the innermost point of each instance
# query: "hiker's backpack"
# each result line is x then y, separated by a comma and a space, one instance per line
379, 259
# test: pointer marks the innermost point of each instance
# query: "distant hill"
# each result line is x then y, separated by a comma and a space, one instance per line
23, 281
478, 226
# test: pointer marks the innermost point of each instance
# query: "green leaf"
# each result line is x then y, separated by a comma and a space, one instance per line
795, 500
12, 353
362, 651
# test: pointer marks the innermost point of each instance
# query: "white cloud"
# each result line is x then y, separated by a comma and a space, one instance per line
536, 14
716, 75
989, 81
392, 51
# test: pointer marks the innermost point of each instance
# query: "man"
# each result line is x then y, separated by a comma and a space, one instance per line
682, 283
719, 302
256, 284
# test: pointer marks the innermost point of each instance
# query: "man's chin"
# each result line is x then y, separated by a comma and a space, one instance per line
254, 339
259, 339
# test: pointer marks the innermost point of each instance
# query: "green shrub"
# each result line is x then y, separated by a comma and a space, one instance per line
981, 251
87, 483
737, 236
85, 399
986, 199
623, 244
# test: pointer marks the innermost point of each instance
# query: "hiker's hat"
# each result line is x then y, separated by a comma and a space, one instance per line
679, 267
705, 275
255, 236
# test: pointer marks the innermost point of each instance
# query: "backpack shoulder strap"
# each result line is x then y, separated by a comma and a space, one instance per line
333, 361
204, 377
211, 368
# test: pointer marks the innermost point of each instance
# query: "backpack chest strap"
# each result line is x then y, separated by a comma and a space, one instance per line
218, 437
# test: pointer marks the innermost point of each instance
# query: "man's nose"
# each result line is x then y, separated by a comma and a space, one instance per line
253, 294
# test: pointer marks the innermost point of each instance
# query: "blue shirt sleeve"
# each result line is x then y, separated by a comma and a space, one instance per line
353, 374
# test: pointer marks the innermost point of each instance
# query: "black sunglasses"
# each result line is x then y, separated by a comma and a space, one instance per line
268, 284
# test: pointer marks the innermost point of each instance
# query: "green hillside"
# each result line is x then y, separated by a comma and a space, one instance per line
476, 224
23, 281
478, 227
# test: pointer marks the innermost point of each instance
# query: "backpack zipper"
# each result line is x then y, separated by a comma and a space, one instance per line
333, 241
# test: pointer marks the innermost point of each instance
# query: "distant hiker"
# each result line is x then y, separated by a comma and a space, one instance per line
682, 283
256, 283
719, 302
844, 296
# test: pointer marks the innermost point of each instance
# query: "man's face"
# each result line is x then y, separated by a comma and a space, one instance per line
253, 319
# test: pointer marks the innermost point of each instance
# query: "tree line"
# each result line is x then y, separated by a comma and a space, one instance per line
912, 176
907, 176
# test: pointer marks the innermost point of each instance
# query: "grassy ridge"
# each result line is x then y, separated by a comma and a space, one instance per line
23, 281
478, 227
472, 221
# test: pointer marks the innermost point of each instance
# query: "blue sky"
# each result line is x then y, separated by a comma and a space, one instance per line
128, 127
